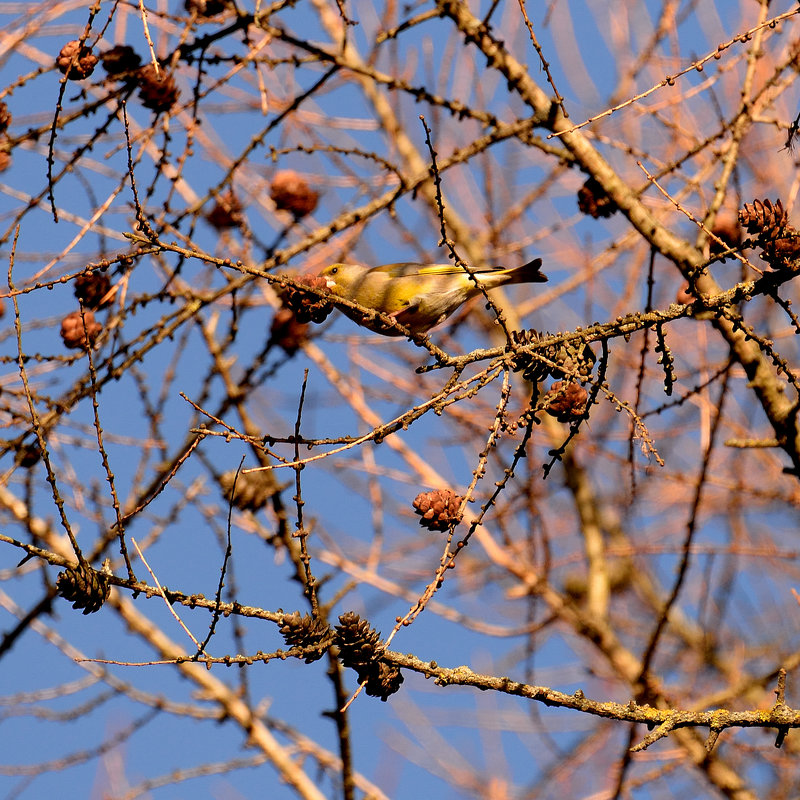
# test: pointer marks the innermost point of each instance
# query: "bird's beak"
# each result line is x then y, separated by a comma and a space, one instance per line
329, 284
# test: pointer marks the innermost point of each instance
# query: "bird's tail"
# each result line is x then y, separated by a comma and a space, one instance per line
527, 273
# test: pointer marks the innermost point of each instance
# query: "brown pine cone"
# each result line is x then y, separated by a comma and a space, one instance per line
438, 509
287, 331
84, 65
226, 213
360, 647
157, 92
594, 202
566, 401
572, 358
5, 153
206, 8
253, 489
91, 289
305, 631
290, 192
358, 642
73, 333
84, 587
769, 223
764, 219
5, 117
383, 680
28, 454
784, 253
532, 368
308, 307
121, 60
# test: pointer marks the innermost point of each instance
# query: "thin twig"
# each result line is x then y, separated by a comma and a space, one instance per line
200, 648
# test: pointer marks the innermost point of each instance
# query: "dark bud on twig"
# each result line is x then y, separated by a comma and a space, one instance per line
83, 66
305, 632
594, 202
78, 336
84, 587
566, 401
290, 192
438, 509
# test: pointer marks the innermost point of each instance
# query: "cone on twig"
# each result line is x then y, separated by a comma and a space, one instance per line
438, 509
158, 92
594, 202
308, 307
226, 212
533, 369
5, 117
80, 333
120, 61
83, 66
360, 648
84, 587
5, 152
307, 632
287, 331
92, 288
769, 224
764, 219
290, 192
206, 8
28, 454
253, 490
566, 401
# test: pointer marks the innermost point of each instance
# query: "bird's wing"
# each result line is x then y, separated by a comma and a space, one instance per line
405, 269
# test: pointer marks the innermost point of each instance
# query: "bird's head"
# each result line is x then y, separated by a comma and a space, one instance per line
340, 279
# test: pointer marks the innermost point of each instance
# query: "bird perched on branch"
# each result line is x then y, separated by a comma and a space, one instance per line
418, 296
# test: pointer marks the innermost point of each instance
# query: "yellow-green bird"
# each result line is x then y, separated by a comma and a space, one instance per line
418, 296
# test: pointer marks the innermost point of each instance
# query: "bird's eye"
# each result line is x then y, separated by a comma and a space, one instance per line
334, 270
